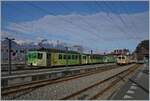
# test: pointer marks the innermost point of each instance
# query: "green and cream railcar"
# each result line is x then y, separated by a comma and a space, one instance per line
109, 59
60, 59
84, 59
97, 58
50, 58
36, 58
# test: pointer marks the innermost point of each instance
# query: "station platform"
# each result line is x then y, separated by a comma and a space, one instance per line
137, 88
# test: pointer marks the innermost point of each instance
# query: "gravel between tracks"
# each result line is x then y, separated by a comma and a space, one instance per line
60, 90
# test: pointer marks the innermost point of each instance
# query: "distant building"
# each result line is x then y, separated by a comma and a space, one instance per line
121, 52
142, 50
78, 48
17, 53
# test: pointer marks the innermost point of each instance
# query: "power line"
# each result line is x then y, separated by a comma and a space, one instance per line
48, 12
110, 17
120, 17
106, 5
87, 23
132, 22
23, 27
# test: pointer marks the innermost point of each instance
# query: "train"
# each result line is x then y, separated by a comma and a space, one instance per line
125, 59
54, 57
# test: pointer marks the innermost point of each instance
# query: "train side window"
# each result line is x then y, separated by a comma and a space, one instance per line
60, 56
40, 55
84, 57
73, 57
76, 57
64, 56
93, 57
69, 57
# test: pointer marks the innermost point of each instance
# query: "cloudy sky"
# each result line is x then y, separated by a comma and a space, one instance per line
96, 25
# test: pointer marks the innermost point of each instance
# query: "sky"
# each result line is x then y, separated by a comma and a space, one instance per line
98, 25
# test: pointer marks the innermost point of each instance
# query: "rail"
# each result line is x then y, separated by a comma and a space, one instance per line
41, 83
100, 82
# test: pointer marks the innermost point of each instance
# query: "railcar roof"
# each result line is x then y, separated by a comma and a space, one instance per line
53, 50
63, 51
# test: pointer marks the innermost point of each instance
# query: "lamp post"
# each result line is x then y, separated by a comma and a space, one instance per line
9, 53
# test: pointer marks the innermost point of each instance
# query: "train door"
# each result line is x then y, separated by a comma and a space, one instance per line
48, 60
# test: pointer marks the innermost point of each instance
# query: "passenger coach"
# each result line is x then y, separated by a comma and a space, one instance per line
54, 57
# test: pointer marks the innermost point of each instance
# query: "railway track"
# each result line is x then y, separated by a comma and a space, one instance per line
36, 84
81, 94
39, 69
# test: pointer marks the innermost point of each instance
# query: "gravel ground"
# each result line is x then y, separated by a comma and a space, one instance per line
60, 90
93, 91
111, 92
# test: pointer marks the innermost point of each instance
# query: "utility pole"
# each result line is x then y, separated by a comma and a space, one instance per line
92, 56
66, 56
26, 57
41, 43
9, 54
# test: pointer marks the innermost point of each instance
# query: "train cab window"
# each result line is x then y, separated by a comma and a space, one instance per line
40, 55
119, 57
32, 55
123, 57
13, 54
60, 56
